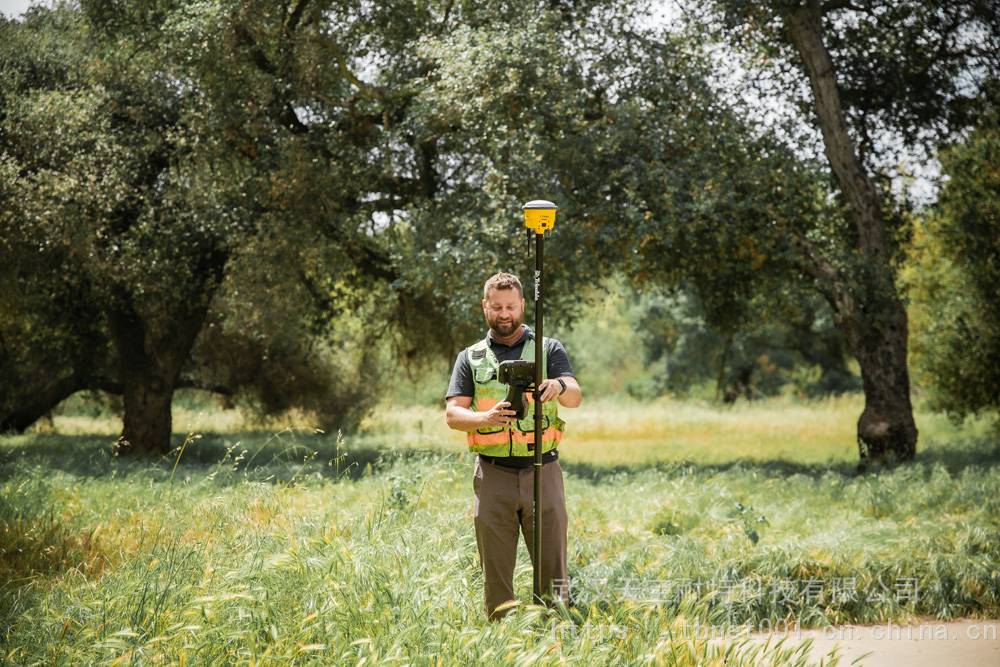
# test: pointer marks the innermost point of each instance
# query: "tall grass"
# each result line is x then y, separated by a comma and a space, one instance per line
619, 432
293, 547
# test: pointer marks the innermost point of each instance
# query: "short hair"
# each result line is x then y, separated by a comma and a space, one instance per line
502, 281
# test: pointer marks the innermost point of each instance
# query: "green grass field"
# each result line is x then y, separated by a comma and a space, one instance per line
272, 544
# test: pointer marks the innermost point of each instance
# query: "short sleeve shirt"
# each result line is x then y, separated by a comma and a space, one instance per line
556, 362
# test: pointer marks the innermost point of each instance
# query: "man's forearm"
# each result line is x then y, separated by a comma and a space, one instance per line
463, 419
572, 397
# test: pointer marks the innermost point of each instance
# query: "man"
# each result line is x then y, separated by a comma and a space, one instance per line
504, 474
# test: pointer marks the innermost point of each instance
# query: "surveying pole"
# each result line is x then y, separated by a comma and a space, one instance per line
539, 217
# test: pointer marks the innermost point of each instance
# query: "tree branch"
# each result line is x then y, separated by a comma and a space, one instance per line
260, 58
835, 5
215, 388
295, 16
829, 280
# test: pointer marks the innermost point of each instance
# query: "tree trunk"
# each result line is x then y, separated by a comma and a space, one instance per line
871, 313
886, 430
720, 378
147, 381
147, 423
150, 360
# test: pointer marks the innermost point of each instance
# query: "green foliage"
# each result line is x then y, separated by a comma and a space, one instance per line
646, 345
289, 334
953, 278
602, 342
163, 191
900, 97
325, 142
906, 68
792, 345
750, 521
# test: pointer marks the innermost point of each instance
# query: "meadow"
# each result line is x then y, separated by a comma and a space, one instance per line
270, 543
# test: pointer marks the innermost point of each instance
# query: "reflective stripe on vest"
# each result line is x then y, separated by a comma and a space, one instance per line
518, 440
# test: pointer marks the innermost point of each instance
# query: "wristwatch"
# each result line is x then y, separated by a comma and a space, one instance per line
563, 390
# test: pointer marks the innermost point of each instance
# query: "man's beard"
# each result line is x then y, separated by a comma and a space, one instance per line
505, 329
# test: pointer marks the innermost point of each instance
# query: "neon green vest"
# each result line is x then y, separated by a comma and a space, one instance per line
488, 391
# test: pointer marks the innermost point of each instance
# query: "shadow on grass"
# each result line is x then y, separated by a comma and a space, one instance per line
955, 456
284, 456
259, 456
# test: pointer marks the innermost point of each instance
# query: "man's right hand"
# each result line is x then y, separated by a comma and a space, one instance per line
499, 415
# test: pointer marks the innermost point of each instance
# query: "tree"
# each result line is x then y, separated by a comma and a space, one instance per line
135, 179
900, 72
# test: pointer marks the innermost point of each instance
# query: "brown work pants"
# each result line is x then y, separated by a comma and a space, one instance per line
504, 502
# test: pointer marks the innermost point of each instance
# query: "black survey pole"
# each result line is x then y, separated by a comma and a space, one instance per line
539, 217
537, 510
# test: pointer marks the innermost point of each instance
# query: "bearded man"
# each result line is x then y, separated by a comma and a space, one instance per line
503, 477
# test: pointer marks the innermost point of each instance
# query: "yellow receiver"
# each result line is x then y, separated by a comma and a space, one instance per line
540, 215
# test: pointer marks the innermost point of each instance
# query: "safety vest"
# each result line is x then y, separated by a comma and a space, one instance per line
519, 439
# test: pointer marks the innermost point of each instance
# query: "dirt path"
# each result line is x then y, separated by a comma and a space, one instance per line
928, 643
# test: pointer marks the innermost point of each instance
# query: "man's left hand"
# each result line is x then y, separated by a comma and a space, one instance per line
550, 390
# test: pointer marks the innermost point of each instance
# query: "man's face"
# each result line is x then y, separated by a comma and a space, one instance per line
504, 311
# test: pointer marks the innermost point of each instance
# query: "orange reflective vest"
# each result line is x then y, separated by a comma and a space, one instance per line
519, 439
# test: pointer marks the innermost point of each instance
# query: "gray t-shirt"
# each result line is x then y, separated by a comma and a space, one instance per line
556, 362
